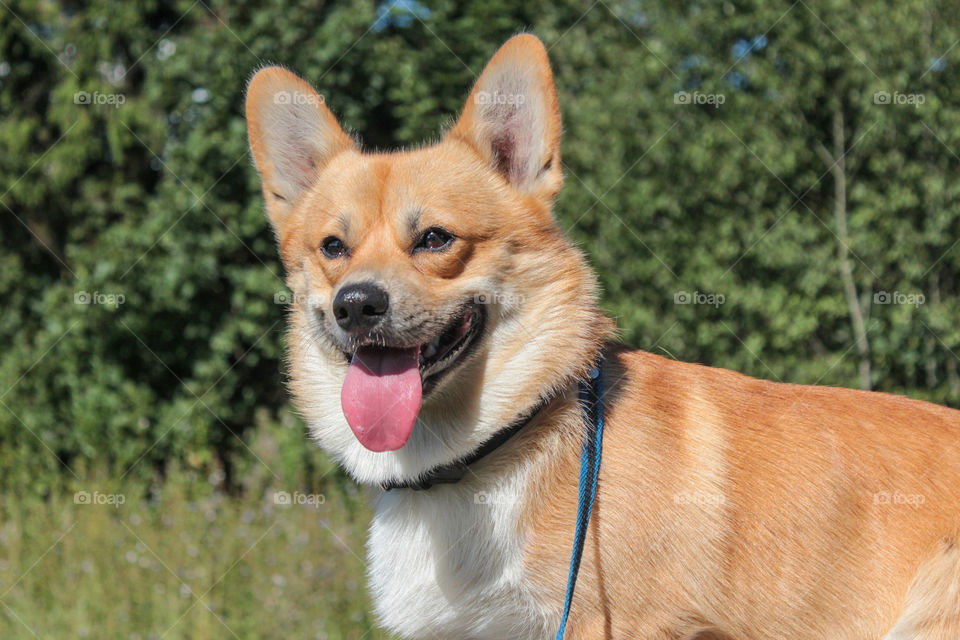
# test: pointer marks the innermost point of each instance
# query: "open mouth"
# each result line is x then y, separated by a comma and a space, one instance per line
384, 386
441, 353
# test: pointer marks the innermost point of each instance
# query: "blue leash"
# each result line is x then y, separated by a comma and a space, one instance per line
591, 399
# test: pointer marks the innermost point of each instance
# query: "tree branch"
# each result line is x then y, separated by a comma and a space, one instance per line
836, 164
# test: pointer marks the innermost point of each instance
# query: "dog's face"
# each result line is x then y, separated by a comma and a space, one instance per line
428, 283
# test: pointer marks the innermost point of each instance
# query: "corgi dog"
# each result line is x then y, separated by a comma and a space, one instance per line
442, 318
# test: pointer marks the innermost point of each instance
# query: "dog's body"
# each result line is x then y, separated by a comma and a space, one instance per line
434, 286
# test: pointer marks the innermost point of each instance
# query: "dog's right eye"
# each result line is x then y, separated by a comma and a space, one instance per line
333, 247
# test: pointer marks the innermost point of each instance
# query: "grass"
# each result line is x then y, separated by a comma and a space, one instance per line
184, 559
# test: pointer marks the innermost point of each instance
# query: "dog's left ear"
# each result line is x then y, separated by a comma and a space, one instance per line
512, 118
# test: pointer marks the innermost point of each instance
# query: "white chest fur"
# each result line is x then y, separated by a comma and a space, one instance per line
447, 564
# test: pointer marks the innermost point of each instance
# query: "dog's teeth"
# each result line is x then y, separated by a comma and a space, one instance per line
430, 349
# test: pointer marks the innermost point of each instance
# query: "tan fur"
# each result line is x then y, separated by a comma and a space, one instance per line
757, 509
728, 507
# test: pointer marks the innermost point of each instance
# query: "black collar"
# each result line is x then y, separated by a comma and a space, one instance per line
455, 471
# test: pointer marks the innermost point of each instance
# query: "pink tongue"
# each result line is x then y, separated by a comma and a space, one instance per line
381, 396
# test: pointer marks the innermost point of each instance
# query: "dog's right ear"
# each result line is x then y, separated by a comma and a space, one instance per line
292, 136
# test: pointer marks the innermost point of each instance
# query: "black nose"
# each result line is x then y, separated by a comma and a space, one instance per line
360, 307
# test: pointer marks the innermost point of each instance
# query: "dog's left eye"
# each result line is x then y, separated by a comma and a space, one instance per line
434, 239
333, 247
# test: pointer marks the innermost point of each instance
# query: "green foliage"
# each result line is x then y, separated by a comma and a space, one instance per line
154, 199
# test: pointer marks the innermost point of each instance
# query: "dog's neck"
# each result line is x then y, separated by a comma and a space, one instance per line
455, 471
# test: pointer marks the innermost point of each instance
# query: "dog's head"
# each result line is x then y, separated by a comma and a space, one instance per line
435, 298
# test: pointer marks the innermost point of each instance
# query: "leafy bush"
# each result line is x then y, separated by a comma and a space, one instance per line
705, 148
